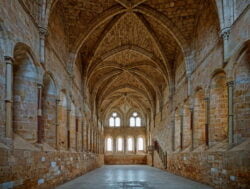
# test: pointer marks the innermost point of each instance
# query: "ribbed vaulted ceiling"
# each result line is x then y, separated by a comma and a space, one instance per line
128, 48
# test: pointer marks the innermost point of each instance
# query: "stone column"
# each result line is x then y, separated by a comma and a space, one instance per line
68, 128
76, 139
181, 130
173, 135
57, 124
93, 140
9, 97
206, 121
90, 139
40, 137
83, 137
97, 143
230, 86
192, 127
87, 137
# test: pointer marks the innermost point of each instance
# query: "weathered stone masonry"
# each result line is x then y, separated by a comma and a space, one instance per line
182, 66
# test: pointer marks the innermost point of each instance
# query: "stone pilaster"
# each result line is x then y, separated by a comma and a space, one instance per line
9, 97
173, 135
206, 121
57, 124
77, 130
192, 127
181, 130
230, 86
68, 128
40, 127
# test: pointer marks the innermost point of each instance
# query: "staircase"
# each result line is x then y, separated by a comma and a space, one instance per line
161, 153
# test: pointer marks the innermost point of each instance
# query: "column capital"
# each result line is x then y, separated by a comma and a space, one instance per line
39, 85
230, 83
8, 59
42, 31
225, 33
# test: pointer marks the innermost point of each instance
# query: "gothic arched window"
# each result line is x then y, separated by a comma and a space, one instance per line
140, 144
130, 144
114, 120
135, 120
120, 144
109, 144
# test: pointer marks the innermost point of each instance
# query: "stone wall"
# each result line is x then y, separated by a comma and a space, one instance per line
46, 144
125, 159
32, 168
212, 120
216, 167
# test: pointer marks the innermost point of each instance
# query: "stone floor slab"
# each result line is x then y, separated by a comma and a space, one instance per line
131, 177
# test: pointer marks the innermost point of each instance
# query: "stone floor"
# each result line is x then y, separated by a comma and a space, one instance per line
131, 176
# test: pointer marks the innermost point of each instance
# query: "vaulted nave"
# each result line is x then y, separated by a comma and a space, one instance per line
124, 94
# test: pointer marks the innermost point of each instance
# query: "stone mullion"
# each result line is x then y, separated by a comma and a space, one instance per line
135, 144
114, 145
206, 121
230, 86
40, 127
124, 144
9, 97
